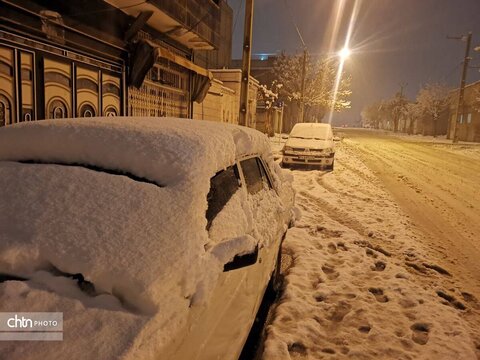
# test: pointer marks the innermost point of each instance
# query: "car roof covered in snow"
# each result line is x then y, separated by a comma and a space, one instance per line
162, 150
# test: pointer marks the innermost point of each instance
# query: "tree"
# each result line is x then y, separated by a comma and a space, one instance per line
320, 76
371, 115
396, 107
268, 96
413, 112
433, 99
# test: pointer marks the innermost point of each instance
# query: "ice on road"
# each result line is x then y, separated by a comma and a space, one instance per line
369, 277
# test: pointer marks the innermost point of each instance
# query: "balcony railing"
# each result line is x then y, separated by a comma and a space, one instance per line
201, 17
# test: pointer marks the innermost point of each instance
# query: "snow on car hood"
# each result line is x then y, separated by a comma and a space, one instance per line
140, 244
309, 143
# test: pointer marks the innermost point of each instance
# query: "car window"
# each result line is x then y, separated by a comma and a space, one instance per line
96, 169
222, 187
266, 180
255, 175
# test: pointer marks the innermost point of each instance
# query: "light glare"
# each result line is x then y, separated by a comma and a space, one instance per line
345, 53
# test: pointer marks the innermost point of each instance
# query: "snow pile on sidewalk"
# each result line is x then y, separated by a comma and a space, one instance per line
360, 286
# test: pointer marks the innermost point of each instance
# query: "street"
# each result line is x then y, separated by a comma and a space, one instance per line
439, 189
383, 257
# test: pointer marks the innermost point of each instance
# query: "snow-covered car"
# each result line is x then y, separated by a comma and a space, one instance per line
310, 144
155, 237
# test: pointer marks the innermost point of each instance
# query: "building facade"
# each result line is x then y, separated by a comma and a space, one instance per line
106, 58
468, 125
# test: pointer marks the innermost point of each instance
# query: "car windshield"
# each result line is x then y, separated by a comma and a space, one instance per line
310, 133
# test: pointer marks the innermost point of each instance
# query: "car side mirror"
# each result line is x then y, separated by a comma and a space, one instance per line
241, 261
236, 253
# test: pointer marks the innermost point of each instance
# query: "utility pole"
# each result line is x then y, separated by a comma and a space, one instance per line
302, 90
400, 104
247, 54
461, 91
402, 86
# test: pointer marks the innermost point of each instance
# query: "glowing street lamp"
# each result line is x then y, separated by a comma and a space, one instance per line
344, 53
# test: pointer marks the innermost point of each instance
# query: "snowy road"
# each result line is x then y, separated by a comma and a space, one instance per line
439, 187
385, 256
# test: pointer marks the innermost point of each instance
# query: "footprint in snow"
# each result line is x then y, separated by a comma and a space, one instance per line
370, 253
330, 272
420, 333
451, 300
329, 233
370, 248
340, 311
365, 329
378, 266
379, 295
332, 248
328, 351
419, 268
471, 299
316, 282
437, 268
297, 348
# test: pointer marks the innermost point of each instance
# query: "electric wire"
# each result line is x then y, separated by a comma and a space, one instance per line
292, 19
237, 15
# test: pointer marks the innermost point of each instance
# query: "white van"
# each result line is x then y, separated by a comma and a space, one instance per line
310, 144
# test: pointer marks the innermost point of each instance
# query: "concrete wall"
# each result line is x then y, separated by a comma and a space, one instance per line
219, 105
468, 127
269, 121
231, 78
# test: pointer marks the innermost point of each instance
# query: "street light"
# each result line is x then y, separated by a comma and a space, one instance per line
344, 53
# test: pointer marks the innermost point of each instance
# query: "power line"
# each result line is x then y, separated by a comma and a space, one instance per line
448, 77
294, 23
237, 15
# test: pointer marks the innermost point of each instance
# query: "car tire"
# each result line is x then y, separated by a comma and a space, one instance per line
277, 276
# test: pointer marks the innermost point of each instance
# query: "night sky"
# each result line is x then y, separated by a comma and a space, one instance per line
394, 41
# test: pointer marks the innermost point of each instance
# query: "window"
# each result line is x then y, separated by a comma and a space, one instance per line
4, 111
255, 175
469, 118
222, 187
57, 109
87, 110
111, 111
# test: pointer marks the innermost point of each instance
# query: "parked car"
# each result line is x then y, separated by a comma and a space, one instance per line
310, 144
155, 237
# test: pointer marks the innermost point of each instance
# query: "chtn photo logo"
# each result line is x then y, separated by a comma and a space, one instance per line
31, 326
27, 323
